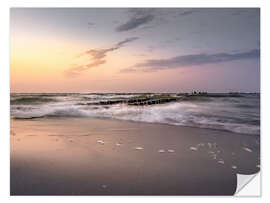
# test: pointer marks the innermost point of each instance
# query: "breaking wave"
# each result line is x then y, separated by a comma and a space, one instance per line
239, 115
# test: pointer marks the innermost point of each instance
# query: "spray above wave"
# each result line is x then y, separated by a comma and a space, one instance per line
237, 114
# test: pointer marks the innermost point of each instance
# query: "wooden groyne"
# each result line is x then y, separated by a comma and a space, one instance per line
138, 101
152, 99
141, 102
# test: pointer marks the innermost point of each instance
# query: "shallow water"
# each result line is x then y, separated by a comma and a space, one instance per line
239, 114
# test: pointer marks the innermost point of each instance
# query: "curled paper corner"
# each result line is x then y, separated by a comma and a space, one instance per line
248, 185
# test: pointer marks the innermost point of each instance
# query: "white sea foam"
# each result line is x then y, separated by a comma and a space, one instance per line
214, 114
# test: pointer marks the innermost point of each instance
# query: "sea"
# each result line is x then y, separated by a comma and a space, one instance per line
238, 113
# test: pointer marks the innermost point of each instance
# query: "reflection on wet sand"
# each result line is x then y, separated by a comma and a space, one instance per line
79, 156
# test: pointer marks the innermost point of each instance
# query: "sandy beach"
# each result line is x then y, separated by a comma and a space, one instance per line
85, 156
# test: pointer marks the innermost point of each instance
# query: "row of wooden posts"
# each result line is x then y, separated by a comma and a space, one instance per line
138, 102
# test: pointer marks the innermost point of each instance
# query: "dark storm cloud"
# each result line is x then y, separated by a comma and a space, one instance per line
97, 57
192, 60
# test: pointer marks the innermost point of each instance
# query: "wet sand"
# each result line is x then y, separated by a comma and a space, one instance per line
84, 156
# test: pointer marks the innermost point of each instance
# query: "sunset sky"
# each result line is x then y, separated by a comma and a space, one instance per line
134, 50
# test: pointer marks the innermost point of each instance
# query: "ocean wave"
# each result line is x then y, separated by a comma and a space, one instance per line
213, 115
30, 100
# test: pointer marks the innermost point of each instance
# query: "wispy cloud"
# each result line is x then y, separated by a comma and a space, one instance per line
134, 22
97, 57
91, 24
185, 13
192, 60
142, 16
138, 17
